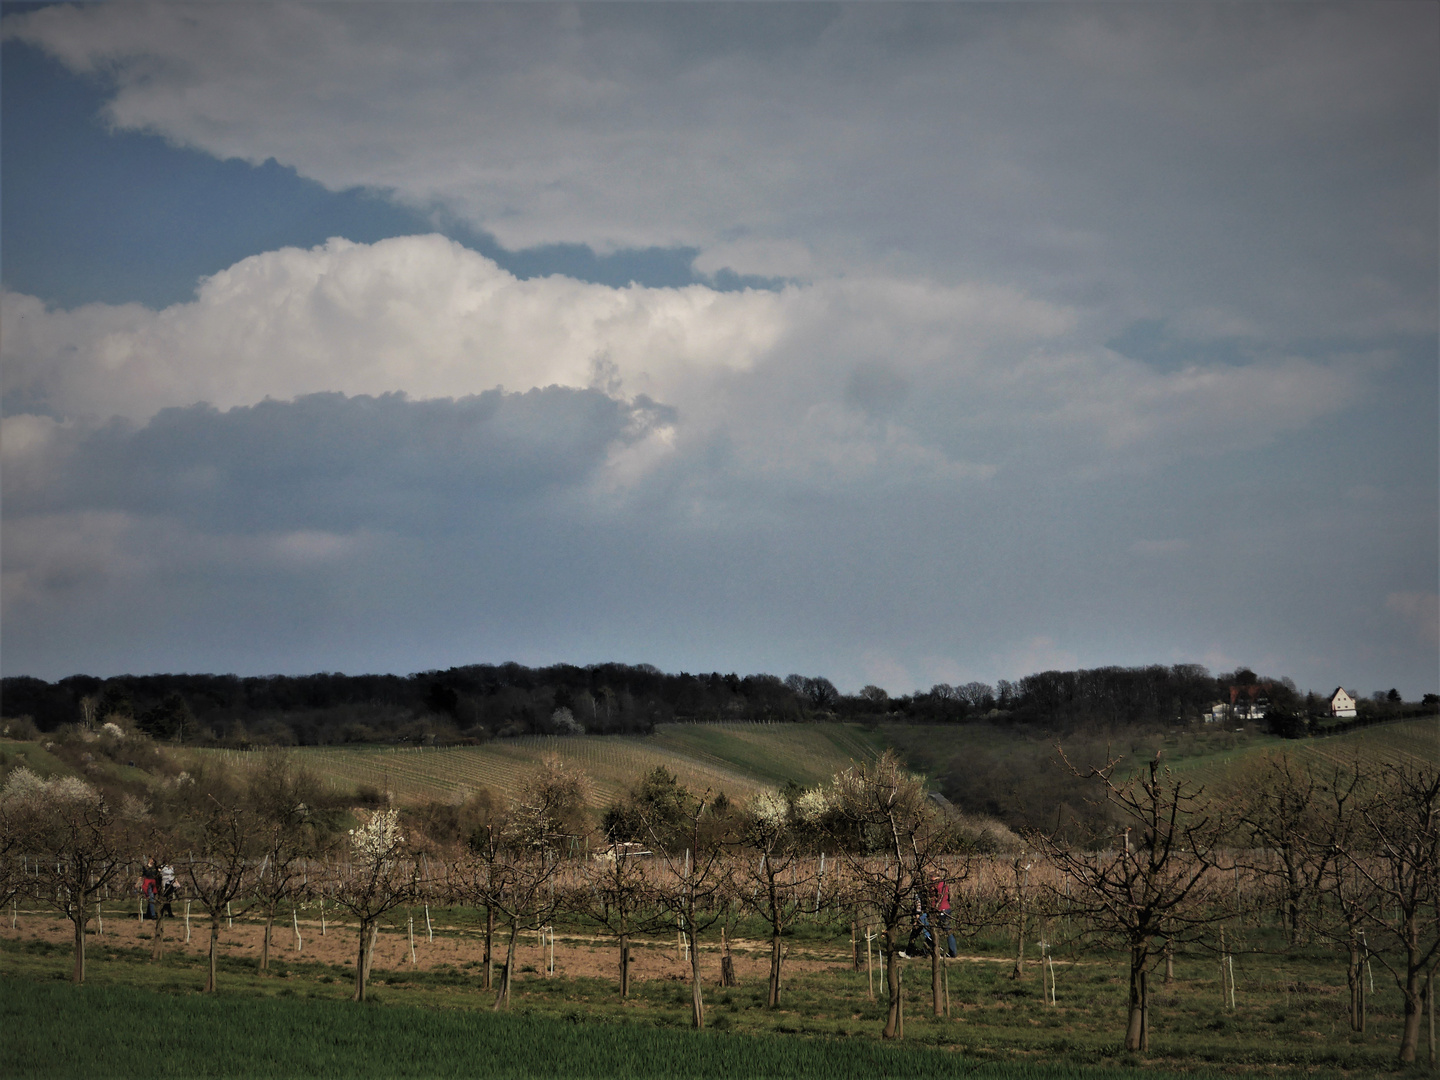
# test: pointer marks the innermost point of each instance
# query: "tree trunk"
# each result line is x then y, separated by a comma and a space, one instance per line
214, 951
1430, 1011
772, 999
502, 996
624, 965
156, 944
892, 984
1364, 993
489, 942
77, 976
727, 965
697, 999
1169, 961
937, 991
1144, 1011
900, 982
362, 960
1352, 977
1410, 1037
370, 952
1019, 972
265, 940
1135, 1031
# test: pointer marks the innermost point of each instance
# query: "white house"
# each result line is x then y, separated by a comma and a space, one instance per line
1341, 703
1251, 710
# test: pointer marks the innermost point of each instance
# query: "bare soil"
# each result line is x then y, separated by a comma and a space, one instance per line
575, 954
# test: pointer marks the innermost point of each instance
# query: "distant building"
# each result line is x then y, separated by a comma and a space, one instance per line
1249, 702
1341, 703
1251, 710
1240, 707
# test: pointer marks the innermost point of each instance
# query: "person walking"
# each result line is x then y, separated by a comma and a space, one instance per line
167, 890
150, 888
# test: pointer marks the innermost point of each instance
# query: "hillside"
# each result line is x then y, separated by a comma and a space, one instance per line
1005, 773
1014, 773
1412, 743
736, 758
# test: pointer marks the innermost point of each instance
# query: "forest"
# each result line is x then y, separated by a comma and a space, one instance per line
482, 701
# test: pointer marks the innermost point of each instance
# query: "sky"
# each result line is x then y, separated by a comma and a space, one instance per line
895, 343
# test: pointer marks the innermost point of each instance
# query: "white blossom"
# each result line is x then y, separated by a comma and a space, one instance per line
23, 785
812, 805
377, 838
770, 810
564, 722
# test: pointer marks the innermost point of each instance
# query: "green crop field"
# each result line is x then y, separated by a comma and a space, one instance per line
138, 1017
57, 1031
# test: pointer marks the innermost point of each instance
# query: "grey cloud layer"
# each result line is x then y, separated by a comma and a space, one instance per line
1110, 339
1254, 170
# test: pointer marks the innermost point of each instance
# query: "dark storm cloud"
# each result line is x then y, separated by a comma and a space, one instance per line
327, 461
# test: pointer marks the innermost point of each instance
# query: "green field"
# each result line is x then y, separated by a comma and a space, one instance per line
135, 1017
1207, 755
56, 1031
1412, 743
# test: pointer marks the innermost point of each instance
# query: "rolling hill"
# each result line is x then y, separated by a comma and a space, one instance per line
736, 758
741, 758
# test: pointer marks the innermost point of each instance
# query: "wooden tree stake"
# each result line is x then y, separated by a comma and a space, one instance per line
727, 966
869, 963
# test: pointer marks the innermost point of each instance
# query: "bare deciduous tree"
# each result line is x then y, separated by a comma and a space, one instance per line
77, 843
1155, 885
281, 798
779, 890
886, 830
1397, 853
1280, 816
379, 876
618, 898
523, 862
218, 871
692, 883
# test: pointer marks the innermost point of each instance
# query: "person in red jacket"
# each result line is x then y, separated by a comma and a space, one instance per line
940, 903
150, 888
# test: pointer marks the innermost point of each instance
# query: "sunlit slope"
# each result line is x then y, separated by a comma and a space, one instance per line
1404, 742
736, 758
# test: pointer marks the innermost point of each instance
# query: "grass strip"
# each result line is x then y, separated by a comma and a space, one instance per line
55, 1030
